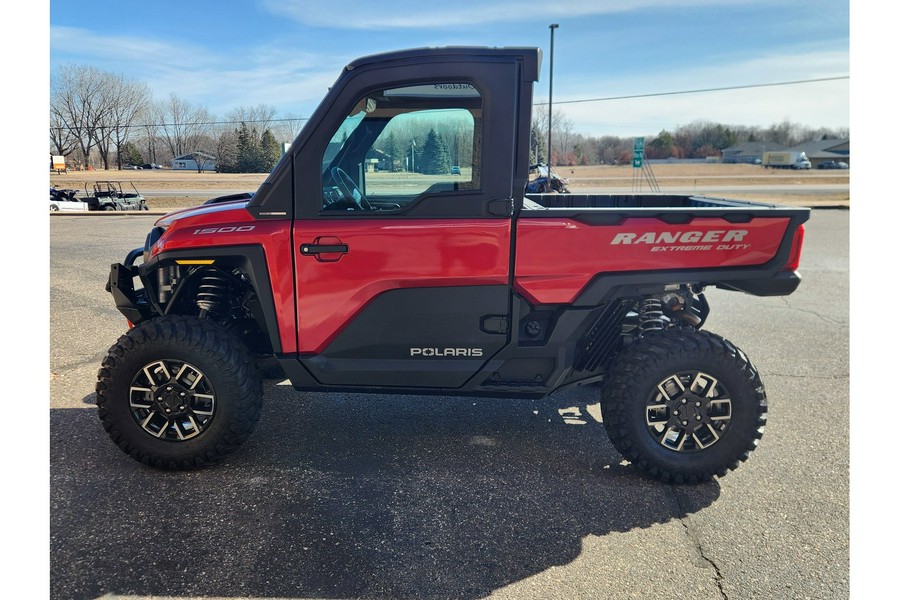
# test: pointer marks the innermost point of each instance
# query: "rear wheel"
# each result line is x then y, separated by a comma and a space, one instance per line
684, 406
178, 393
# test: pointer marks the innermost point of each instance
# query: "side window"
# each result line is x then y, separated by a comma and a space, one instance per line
402, 144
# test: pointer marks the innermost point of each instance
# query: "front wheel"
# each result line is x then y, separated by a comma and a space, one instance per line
178, 393
684, 406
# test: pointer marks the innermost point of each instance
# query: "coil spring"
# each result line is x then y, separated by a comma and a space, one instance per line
211, 292
651, 315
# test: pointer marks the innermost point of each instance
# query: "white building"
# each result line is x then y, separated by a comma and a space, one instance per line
189, 162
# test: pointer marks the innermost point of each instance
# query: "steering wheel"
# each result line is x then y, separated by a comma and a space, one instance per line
349, 188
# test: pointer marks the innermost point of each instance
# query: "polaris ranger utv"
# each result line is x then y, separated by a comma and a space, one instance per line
410, 279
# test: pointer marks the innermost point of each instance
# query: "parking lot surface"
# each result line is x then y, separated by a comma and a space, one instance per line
356, 496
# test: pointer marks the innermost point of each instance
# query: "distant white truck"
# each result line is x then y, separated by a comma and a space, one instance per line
786, 160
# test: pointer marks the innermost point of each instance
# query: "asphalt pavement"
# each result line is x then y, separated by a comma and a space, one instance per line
370, 496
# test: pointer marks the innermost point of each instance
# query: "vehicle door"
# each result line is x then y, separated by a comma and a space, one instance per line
402, 266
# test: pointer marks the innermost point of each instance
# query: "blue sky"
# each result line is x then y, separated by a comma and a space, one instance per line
286, 53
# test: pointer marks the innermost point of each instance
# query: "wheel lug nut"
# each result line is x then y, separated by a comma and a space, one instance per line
697, 404
684, 401
683, 422
699, 417
182, 408
182, 395
168, 410
675, 412
169, 388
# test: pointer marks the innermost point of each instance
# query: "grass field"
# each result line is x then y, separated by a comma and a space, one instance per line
197, 187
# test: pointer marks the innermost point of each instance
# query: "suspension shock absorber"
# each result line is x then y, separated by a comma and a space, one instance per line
211, 292
651, 316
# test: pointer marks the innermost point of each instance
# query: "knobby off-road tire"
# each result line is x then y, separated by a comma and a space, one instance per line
178, 393
684, 406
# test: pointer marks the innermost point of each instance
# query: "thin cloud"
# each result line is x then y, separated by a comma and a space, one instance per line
128, 50
358, 14
822, 104
269, 74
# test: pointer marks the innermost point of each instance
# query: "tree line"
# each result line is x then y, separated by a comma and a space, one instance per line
698, 139
102, 119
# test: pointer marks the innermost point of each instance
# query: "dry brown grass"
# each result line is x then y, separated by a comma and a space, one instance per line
198, 187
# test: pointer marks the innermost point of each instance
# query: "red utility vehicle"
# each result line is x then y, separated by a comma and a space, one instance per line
367, 261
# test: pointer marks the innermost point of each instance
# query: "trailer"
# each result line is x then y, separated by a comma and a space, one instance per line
786, 160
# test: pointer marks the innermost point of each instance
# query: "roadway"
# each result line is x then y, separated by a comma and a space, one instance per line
354, 496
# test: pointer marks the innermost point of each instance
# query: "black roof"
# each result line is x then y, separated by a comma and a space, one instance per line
531, 57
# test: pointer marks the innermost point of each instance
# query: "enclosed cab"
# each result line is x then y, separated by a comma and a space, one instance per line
416, 278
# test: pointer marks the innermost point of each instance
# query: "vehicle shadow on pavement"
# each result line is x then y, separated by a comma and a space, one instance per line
342, 495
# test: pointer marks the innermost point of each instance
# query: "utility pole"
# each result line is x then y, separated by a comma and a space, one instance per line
550, 108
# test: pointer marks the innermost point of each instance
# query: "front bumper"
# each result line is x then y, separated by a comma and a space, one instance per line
133, 304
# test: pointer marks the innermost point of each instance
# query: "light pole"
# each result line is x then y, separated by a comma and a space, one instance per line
550, 109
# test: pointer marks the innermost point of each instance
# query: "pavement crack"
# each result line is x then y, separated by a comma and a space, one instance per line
820, 316
835, 377
698, 546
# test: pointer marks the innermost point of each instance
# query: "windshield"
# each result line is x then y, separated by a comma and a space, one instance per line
340, 137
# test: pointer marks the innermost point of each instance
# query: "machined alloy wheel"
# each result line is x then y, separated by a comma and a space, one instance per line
688, 411
178, 392
172, 400
684, 405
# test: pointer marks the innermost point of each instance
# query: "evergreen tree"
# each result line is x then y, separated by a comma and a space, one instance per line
249, 155
130, 155
393, 151
270, 151
435, 156
662, 146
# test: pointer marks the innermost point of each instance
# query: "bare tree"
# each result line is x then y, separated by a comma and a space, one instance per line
182, 124
130, 101
152, 140
288, 127
76, 99
259, 116
62, 140
563, 130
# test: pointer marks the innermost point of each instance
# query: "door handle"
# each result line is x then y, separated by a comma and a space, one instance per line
325, 249
313, 249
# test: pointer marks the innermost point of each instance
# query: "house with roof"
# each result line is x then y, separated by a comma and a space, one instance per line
820, 151
195, 161
749, 152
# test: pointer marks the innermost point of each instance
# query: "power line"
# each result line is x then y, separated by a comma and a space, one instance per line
189, 124
698, 91
583, 100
